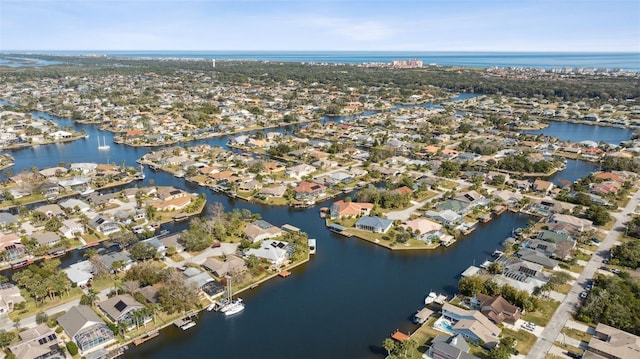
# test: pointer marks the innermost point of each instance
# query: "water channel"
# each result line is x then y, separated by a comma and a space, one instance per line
342, 303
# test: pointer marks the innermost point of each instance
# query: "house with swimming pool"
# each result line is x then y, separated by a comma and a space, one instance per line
470, 324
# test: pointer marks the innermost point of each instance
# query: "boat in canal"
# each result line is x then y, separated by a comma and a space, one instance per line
231, 306
103, 146
431, 297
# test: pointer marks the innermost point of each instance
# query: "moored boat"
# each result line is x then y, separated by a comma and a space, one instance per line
430, 298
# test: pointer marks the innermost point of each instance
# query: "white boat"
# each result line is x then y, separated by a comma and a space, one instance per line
430, 298
312, 246
104, 146
211, 307
87, 191
234, 307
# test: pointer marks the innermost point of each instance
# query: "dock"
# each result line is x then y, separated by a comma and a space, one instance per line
284, 273
185, 323
338, 229
146, 337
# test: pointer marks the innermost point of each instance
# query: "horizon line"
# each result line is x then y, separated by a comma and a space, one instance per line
344, 51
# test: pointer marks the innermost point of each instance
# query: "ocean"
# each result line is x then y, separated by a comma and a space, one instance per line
546, 60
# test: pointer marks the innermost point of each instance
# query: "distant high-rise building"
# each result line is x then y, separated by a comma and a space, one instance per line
407, 64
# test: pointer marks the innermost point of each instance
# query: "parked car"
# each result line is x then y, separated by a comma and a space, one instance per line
588, 287
574, 355
583, 295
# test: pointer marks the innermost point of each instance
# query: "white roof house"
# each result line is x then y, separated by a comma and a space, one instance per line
276, 252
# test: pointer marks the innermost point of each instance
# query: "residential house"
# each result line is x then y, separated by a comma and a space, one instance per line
9, 297
40, 342
472, 325
605, 188
80, 273
424, 229
46, 238
453, 206
374, 224
173, 204
122, 257
276, 252
341, 209
449, 347
85, 328
72, 204
497, 309
309, 191
542, 186
507, 197
446, 217
472, 199
198, 278
13, 247
7, 219
579, 224
300, 171
71, 227
275, 191
121, 308
250, 185
231, 265
51, 210
104, 225
613, 343
261, 230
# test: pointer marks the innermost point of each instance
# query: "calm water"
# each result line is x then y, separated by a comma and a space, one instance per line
629, 61
576, 132
343, 303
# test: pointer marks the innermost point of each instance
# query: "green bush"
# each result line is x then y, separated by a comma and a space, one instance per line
72, 348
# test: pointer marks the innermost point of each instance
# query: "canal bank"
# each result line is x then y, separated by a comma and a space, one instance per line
341, 304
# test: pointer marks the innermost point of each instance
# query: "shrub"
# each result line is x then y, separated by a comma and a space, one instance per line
72, 348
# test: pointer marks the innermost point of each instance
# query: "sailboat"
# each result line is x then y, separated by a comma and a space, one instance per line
232, 306
104, 146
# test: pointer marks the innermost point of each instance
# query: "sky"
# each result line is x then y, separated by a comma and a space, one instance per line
321, 25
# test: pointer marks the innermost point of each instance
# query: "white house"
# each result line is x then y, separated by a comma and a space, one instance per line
71, 227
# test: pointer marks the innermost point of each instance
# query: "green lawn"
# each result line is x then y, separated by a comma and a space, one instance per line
576, 334
543, 315
32, 308
524, 338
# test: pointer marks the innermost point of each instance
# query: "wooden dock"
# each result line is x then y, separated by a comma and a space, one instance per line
284, 273
146, 337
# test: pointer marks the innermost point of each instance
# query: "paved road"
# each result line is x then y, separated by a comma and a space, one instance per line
404, 214
571, 301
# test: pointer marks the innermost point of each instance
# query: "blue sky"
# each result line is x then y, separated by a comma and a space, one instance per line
392, 25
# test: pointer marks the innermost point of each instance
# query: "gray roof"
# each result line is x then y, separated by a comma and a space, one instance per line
78, 317
118, 305
109, 258
375, 222
6, 218
533, 256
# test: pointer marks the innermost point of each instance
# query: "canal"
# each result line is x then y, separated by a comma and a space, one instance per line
577, 132
342, 303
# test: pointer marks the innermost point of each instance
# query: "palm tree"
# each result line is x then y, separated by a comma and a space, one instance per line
389, 345
92, 296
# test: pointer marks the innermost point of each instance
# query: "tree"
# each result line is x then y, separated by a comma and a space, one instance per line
495, 268
124, 238
143, 251
72, 348
6, 338
471, 286
176, 295
598, 214
389, 345
42, 317
503, 350
563, 249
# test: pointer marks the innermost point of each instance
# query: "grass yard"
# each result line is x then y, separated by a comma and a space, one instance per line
576, 334
524, 338
543, 315
32, 308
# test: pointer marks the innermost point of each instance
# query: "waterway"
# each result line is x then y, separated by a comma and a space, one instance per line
577, 132
342, 303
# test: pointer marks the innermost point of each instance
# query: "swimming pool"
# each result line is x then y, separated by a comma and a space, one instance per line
443, 325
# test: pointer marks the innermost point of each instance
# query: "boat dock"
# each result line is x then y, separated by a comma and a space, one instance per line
338, 229
185, 323
284, 273
146, 337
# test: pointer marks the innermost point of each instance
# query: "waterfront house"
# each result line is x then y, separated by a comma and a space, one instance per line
51, 210
472, 199
507, 197
446, 217
612, 343
578, 224
424, 229
71, 227
121, 309
374, 224
85, 328
497, 309
341, 209
9, 297
174, 204
7, 219
275, 252
231, 265
537, 257
449, 347
453, 206
260, 230
275, 191
250, 185
13, 247
37, 343
472, 325
541, 186
80, 273
309, 191
46, 238
103, 225
122, 257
